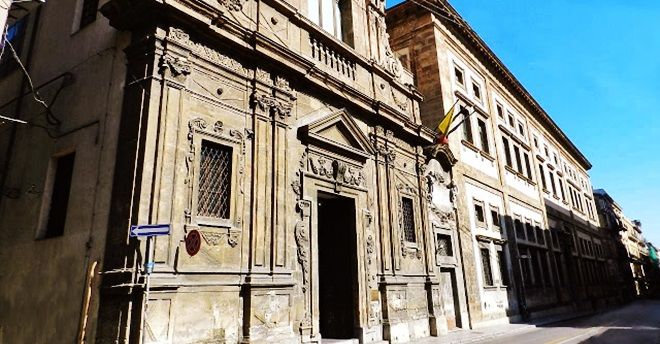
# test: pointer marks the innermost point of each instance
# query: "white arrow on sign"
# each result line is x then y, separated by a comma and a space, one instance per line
150, 230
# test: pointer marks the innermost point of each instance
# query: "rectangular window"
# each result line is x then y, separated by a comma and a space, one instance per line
540, 237
520, 230
467, 129
495, 217
483, 135
516, 152
545, 150
542, 172
536, 141
528, 168
330, 15
479, 215
476, 90
552, 183
561, 188
561, 274
443, 245
545, 268
525, 263
500, 110
408, 220
521, 128
485, 265
501, 263
88, 12
510, 119
555, 239
59, 199
459, 76
530, 231
507, 151
215, 172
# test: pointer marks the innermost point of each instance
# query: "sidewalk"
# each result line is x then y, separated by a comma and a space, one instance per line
482, 334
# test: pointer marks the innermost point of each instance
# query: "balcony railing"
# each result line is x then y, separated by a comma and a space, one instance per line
321, 52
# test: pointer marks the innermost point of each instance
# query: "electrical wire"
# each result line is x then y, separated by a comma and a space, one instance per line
50, 117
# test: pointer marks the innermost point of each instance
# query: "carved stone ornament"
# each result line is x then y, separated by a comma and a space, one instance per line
387, 152
447, 218
181, 37
338, 171
232, 5
371, 247
302, 240
400, 100
267, 102
215, 238
177, 65
406, 188
283, 84
235, 138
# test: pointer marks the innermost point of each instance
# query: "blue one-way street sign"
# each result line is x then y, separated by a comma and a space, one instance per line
150, 230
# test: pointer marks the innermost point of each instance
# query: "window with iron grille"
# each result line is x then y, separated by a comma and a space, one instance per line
443, 247
88, 12
214, 180
408, 220
485, 264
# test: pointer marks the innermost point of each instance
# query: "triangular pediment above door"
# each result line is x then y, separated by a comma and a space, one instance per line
338, 132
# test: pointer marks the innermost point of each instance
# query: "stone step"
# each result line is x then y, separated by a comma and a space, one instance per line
339, 341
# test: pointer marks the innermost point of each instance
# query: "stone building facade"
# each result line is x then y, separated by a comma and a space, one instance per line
632, 251
285, 133
530, 238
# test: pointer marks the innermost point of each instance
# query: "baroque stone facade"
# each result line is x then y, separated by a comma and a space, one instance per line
323, 142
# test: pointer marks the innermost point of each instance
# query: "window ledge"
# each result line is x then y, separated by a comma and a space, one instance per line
468, 144
487, 156
490, 287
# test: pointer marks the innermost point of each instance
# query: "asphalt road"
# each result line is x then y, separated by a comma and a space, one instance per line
636, 323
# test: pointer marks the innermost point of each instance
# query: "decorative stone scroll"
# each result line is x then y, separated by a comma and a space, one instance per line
178, 66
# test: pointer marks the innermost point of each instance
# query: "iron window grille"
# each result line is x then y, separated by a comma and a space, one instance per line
408, 221
214, 195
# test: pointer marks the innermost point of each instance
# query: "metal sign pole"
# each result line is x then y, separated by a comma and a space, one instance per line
148, 268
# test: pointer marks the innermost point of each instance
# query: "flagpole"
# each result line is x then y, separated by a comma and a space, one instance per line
450, 108
463, 120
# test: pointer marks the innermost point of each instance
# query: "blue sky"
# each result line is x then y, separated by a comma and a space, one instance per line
594, 65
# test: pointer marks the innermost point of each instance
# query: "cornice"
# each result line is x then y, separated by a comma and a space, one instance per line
465, 32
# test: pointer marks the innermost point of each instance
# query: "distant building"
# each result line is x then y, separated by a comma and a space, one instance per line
530, 237
633, 258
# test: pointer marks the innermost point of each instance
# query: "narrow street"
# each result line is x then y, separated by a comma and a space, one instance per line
638, 322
